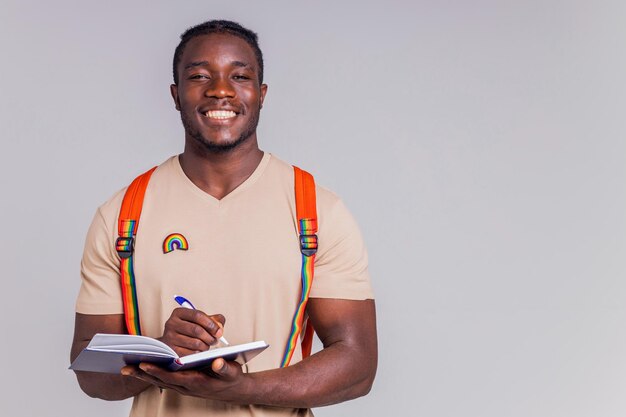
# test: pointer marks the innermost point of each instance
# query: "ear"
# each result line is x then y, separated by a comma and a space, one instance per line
174, 92
263, 89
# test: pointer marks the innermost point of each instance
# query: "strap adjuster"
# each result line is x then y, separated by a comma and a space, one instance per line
125, 246
308, 244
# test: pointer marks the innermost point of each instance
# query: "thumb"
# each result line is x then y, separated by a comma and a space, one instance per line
224, 369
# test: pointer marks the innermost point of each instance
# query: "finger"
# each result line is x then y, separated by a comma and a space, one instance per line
136, 372
213, 325
184, 325
129, 370
164, 378
149, 373
224, 369
220, 319
189, 344
184, 351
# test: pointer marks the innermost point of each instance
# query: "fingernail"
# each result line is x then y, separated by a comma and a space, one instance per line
144, 367
126, 372
218, 365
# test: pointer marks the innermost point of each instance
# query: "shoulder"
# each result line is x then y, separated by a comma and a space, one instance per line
325, 198
110, 209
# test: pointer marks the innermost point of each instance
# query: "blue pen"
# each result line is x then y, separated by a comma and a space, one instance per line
183, 302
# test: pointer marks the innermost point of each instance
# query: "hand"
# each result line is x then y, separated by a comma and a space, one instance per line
190, 331
225, 382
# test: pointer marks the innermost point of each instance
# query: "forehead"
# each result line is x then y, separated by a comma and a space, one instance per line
218, 49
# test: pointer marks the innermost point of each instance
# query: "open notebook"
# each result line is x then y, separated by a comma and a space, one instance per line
111, 352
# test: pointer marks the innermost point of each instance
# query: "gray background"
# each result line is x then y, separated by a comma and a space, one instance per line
480, 145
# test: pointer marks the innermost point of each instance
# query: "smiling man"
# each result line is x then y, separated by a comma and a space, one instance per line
232, 208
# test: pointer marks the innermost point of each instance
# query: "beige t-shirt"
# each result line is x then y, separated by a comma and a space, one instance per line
243, 261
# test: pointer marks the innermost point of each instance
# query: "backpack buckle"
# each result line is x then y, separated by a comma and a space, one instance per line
308, 244
125, 246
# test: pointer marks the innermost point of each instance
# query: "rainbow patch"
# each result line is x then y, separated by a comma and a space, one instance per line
175, 241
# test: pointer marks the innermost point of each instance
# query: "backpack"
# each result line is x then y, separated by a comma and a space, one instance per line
306, 214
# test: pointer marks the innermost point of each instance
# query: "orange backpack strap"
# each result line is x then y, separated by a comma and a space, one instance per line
128, 223
306, 213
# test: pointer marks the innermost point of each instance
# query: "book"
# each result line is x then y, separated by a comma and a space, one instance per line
111, 352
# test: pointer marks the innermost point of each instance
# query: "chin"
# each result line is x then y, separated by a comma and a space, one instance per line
221, 146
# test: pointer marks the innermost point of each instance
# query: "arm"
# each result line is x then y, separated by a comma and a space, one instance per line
95, 384
343, 370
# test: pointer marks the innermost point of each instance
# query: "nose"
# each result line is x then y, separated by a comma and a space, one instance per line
220, 88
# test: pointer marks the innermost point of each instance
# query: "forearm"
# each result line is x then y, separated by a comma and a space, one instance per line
343, 370
110, 387
99, 385
335, 374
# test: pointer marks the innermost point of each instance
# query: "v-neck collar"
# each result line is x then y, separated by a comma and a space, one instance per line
258, 171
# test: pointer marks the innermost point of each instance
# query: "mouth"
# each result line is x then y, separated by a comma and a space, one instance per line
219, 114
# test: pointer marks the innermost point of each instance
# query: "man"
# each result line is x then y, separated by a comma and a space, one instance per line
233, 203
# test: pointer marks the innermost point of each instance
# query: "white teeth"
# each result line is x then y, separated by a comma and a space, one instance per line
220, 114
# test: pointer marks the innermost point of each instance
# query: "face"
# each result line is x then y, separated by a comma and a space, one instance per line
219, 95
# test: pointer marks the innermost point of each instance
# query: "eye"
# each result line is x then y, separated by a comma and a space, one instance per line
198, 77
240, 77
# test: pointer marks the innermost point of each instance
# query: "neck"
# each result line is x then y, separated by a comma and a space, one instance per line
219, 173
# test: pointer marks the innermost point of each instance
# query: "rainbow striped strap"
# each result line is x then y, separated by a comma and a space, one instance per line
128, 224
307, 228
125, 248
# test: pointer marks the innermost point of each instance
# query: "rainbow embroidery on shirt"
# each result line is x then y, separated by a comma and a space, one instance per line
175, 241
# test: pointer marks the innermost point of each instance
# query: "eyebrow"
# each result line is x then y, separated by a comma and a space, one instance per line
196, 64
205, 63
239, 64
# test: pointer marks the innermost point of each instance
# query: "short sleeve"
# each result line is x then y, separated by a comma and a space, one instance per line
100, 290
341, 261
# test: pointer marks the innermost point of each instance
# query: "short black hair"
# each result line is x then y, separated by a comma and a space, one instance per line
218, 26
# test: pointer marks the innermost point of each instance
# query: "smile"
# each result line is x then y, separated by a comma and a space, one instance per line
220, 114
